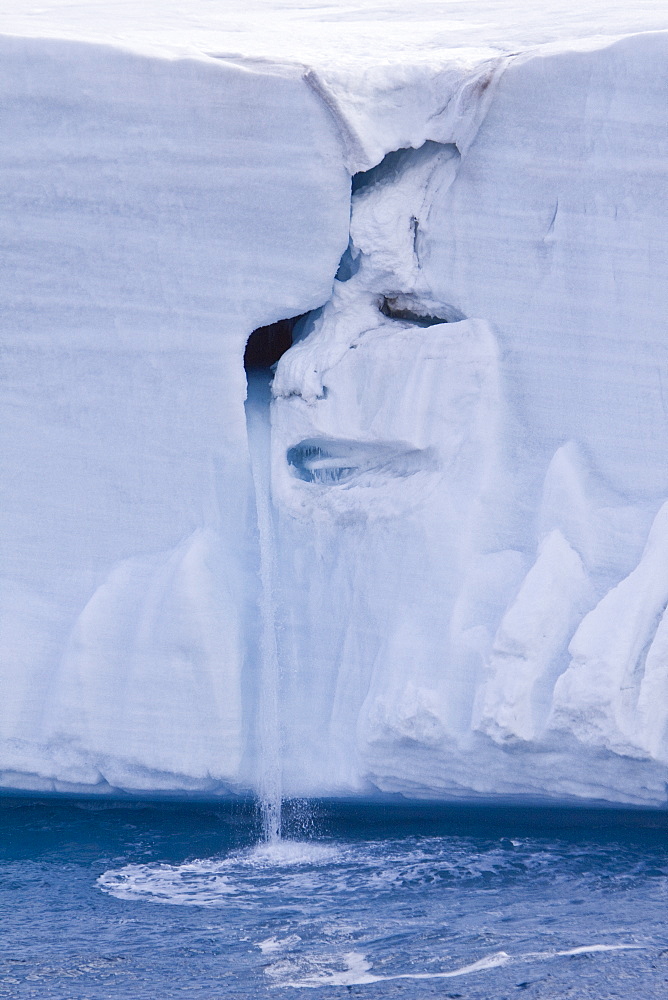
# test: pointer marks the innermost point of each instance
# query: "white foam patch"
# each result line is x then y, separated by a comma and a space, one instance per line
302, 868
291, 852
198, 883
357, 971
592, 948
210, 883
271, 945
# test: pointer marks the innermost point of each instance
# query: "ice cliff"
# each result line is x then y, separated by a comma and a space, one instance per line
467, 444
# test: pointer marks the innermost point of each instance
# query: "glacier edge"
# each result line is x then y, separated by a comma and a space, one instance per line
445, 605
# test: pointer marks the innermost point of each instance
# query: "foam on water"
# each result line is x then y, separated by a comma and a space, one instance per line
332, 913
198, 883
307, 866
210, 883
292, 852
357, 970
273, 944
476, 908
334, 870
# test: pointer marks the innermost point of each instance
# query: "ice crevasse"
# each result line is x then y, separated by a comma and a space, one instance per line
468, 452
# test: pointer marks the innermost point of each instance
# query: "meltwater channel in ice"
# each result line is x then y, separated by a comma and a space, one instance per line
269, 779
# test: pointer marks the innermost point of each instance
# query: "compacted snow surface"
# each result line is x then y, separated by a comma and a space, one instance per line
104, 902
437, 564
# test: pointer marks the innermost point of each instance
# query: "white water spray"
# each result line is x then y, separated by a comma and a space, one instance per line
259, 443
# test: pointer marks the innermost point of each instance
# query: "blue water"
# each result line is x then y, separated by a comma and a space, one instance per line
99, 900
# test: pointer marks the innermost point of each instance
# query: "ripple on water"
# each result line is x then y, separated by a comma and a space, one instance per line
197, 883
328, 914
212, 882
357, 969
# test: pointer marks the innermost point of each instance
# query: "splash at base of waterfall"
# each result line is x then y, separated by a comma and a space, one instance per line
377, 901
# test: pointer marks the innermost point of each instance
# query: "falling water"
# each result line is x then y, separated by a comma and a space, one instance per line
259, 443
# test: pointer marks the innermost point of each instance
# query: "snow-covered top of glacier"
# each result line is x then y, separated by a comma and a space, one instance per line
339, 32
394, 73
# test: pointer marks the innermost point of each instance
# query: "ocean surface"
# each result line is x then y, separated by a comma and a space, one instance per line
138, 900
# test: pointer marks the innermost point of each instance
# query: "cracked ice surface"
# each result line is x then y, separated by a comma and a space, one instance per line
470, 525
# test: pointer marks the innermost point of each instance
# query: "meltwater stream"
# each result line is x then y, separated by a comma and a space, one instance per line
259, 443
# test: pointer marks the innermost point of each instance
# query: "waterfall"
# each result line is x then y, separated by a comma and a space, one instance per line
259, 443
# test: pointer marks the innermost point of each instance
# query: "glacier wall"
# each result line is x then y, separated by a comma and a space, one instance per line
154, 210
468, 437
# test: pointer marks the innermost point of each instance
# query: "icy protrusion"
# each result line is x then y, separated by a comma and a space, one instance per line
387, 213
607, 533
373, 563
417, 468
391, 208
414, 309
159, 639
530, 645
438, 434
597, 698
652, 708
394, 107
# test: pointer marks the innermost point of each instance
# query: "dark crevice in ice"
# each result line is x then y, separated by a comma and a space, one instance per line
269, 343
408, 309
415, 226
349, 263
395, 162
332, 461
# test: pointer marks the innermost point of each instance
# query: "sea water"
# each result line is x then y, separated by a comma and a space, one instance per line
138, 900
